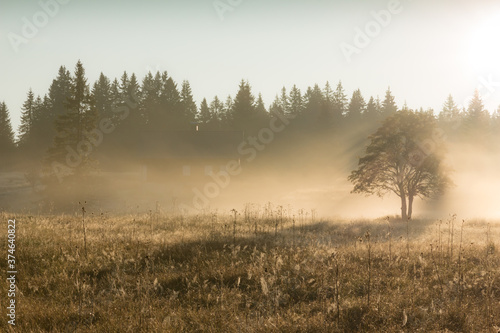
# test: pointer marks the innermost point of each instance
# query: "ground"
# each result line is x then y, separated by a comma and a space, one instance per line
267, 270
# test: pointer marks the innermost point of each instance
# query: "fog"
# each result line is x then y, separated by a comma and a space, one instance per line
298, 172
477, 183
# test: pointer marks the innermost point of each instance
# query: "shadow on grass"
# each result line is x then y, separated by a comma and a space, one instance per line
325, 233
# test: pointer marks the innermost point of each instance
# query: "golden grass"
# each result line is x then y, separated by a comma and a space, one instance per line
174, 273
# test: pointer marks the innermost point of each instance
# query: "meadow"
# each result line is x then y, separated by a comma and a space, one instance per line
258, 269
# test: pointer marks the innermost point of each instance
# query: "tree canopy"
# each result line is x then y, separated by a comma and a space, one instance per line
405, 157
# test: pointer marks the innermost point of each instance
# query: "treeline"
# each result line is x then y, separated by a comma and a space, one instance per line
73, 110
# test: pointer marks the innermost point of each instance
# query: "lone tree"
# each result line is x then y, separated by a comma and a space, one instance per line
405, 157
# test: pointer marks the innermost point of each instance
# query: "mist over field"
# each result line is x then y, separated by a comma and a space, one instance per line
310, 175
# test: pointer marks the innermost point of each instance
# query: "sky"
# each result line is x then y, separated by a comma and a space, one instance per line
423, 50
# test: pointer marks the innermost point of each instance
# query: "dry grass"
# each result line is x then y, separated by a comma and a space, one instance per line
268, 273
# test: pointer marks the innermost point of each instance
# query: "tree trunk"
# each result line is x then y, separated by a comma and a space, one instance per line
403, 205
410, 205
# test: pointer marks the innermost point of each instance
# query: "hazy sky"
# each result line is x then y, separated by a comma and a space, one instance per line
424, 51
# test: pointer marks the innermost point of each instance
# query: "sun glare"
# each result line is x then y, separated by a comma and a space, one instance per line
484, 46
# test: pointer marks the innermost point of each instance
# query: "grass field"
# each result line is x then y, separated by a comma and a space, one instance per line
260, 270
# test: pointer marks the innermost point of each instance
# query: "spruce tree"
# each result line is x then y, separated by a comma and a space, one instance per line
328, 112
124, 83
169, 115
6, 133
227, 116
115, 94
450, 117
284, 101
260, 108
129, 119
149, 98
129, 97
450, 110
37, 129
243, 110
477, 120
476, 113
372, 111
27, 119
133, 90
389, 106
80, 102
70, 152
101, 96
276, 106
261, 114
44, 130
313, 107
189, 108
339, 102
205, 116
56, 104
357, 106
60, 92
296, 102
218, 113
